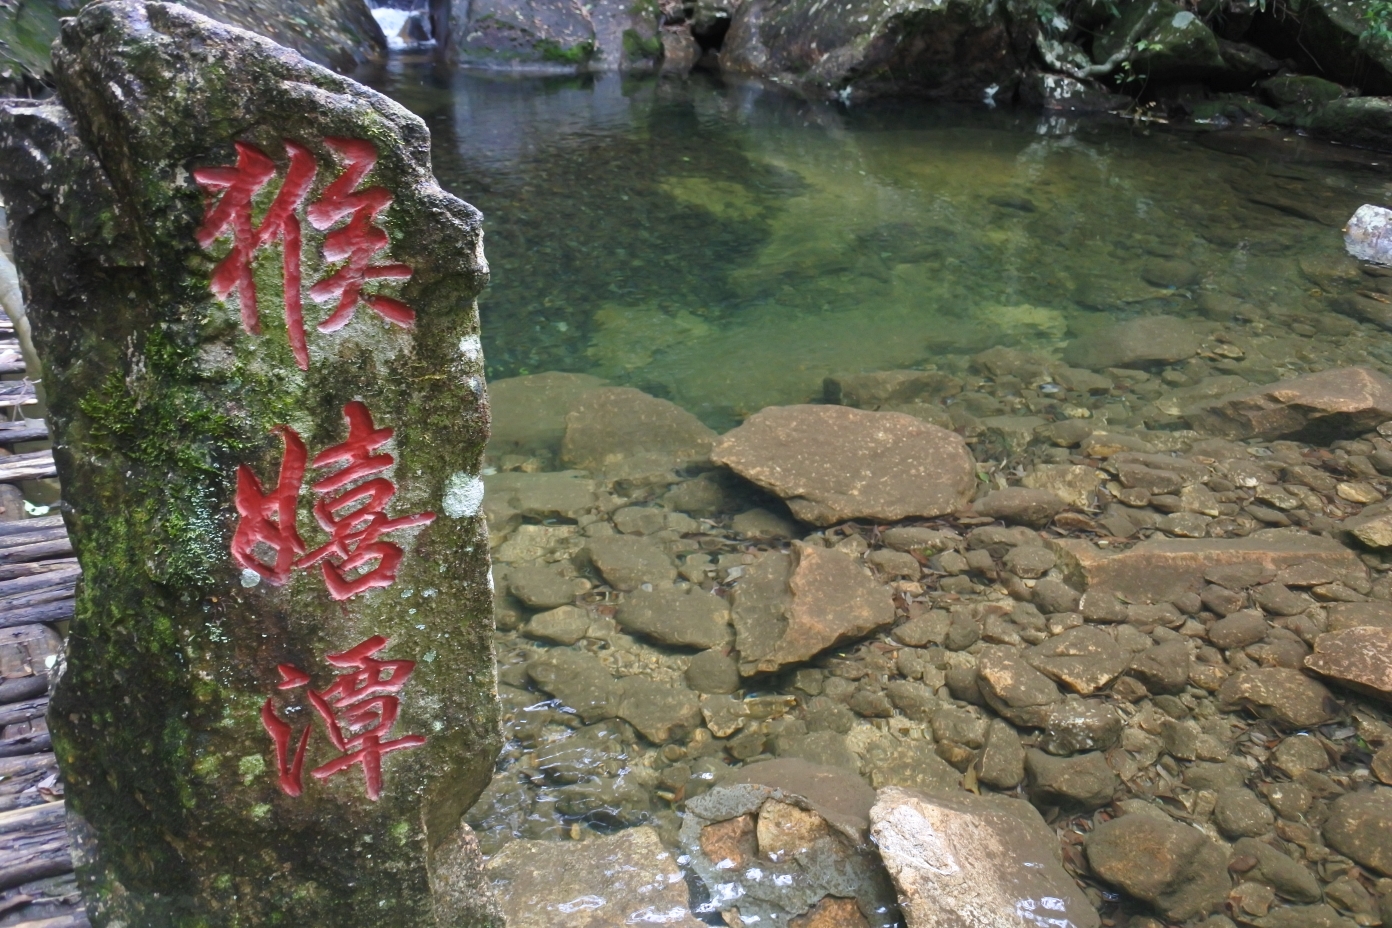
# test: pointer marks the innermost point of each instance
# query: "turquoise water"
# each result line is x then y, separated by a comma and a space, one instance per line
728, 247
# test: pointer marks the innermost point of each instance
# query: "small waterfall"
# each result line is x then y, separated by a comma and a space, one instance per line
405, 29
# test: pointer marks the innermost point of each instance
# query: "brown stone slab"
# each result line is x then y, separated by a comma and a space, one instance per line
1159, 569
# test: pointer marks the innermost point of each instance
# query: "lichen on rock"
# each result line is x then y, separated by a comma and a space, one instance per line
185, 655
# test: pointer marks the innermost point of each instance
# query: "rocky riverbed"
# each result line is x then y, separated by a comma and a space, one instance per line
1131, 598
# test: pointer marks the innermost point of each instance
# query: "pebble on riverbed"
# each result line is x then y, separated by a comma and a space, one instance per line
1134, 650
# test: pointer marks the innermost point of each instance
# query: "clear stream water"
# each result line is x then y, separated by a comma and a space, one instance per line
727, 247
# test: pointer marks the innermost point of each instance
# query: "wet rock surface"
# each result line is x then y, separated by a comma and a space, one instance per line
1316, 407
787, 843
830, 599
1177, 868
832, 463
621, 879
974, 861
1359, 658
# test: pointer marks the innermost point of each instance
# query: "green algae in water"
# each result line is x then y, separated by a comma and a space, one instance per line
728, 248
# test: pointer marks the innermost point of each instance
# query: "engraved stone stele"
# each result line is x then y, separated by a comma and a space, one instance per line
256, 310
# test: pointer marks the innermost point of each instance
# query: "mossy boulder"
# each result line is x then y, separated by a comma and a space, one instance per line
953, 49
339, 34
560, 36
1330, 38
1362, 121
1301, 92
204, 636
1169, 43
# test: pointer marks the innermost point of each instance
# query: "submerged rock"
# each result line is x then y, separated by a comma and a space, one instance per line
786, 839
662, 712
621, 879
1084, 781
1021, 506
690, 618
1281, 694
1160, 569
975, 862
1085, 659
789, 608
579, 681
528, 413
1360, 826
1176, 868
1359, 658
833, 463
1322, 407
555, 495
628, 561
1144, 342
625, 434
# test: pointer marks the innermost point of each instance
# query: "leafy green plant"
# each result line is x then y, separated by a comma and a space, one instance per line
1379, 18
577, 54
636, 46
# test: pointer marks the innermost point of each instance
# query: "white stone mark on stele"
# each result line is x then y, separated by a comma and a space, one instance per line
471, 348
463, 495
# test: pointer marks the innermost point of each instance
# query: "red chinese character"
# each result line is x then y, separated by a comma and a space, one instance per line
357, 242
288, 769
232, 213
370, 707
269, 518
355, 535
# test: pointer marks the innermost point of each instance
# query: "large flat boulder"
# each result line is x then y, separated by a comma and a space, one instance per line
1159, 569
1144, 342
833, 463
789, 608
1318, 408
1359, 658
624, 878
1281, 694
528, 413
1176, 868
948, 50
974, 862
625, 434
